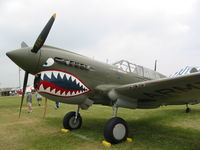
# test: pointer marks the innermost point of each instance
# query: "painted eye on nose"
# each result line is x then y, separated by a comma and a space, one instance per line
49, 62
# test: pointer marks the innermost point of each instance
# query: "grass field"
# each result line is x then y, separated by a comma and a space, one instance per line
166, 128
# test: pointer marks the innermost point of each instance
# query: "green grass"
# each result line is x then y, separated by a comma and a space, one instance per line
165, 128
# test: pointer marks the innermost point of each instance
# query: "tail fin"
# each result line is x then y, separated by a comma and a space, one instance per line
23, 44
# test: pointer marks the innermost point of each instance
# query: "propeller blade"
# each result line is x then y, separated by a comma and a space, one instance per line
43, 35
45, 108
24, 90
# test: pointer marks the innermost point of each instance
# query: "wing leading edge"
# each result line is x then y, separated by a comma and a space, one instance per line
154, 93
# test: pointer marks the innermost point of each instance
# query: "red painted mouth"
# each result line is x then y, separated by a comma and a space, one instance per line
59, 83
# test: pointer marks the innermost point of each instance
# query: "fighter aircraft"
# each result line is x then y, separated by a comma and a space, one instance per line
71, 78
186, 70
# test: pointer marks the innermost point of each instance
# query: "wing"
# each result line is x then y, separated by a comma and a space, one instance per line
154, 93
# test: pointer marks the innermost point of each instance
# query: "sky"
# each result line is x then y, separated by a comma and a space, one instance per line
139, 31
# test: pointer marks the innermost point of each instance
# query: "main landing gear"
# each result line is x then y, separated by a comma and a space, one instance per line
72, 120
115, 129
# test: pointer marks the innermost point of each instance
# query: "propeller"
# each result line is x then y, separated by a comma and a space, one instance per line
24, 90
38, 44
43, 35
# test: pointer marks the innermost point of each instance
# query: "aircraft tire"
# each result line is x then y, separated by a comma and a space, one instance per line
68, 121
116, 130
188, 110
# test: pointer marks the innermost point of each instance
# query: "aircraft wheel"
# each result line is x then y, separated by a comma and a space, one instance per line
188, 110
69, 121
115, 130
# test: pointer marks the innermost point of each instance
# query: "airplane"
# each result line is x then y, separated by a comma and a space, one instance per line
71, 78
186, 70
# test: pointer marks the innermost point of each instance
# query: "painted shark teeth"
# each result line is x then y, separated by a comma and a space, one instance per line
41, 88
53, 91
62, 75
59, 83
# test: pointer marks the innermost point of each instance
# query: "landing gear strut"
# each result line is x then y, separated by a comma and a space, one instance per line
187, 110
116, 129
72, 120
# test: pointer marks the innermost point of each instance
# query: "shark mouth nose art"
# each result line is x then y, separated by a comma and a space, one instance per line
59, 83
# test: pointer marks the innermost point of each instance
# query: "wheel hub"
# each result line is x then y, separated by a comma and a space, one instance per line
74, 122
119, 131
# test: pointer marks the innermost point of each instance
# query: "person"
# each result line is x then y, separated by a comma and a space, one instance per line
39, 98
29, 102
57, 104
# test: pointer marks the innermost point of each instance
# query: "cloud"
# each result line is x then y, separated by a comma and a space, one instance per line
140, 31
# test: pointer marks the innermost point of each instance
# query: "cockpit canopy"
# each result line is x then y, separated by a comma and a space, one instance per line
129, 67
